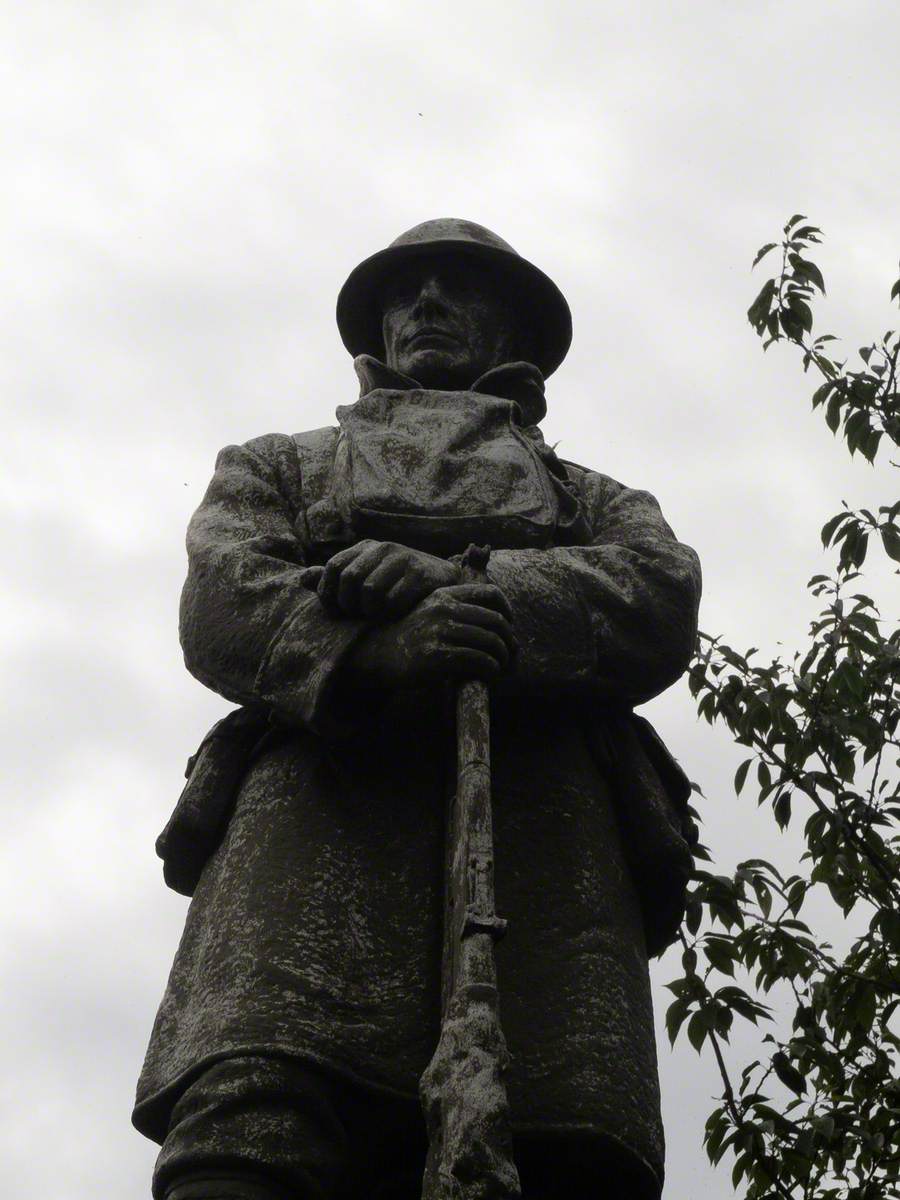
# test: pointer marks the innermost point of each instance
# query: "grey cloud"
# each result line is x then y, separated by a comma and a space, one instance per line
192, 188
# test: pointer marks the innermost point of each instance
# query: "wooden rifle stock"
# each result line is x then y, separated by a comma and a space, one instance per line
462, 1090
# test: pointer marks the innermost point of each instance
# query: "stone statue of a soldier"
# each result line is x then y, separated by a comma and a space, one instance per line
303, 1004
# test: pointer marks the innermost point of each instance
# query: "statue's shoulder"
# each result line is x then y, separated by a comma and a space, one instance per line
298, 465
575, 470
317, 442
268, 448
590, 481
272, 446
309, 451
606, 498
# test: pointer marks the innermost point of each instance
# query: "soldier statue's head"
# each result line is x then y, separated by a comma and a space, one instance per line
449, 300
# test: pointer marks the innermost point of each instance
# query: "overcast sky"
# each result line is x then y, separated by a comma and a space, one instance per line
187, 186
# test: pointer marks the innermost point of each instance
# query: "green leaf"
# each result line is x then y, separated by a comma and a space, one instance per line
796, 895
833, 412
676, 1015
758, 312
855, 548
763, 895
697, 1031
740, 775
707, 707
890, 538
801, 310
721, 953
763, 251
869, 447
739, 1169
791, 324
806, 270
716, 1131
824, 1126
788, 1074
821, 394
828, 530
806, 1142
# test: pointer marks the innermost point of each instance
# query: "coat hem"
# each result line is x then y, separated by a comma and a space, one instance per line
151, 1114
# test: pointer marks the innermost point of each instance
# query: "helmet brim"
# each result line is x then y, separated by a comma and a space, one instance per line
548, 320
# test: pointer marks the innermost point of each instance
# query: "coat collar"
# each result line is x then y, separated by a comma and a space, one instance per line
520, 382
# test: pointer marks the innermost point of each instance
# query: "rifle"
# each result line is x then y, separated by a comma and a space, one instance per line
462, 1090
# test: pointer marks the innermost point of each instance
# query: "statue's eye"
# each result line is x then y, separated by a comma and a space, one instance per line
456, 280
397, 297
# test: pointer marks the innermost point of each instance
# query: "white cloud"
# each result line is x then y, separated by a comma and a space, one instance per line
193, 182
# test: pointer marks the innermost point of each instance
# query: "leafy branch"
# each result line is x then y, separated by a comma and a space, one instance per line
817, 1115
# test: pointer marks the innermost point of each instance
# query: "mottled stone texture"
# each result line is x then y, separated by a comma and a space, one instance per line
315, 928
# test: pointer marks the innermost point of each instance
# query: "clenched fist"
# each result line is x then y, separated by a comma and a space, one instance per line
458, 632
382, 580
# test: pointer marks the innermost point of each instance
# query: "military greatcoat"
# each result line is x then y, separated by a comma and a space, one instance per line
315, 927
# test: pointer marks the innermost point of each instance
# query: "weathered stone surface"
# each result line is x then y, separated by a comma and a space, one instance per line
315, 927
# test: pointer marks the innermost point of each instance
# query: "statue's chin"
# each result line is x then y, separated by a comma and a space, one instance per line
438, 369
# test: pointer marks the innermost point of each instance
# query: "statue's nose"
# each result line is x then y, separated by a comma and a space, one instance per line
431, 294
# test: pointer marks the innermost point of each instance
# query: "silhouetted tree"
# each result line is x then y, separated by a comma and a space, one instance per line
817, 1113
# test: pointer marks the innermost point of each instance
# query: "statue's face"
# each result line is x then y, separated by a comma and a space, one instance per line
446, 321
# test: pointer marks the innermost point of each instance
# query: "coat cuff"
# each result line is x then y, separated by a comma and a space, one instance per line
300, 673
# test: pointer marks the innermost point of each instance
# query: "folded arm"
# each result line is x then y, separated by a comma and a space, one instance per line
616, 619
249, 628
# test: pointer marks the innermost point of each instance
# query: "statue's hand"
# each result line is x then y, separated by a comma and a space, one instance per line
459, 632
382, 580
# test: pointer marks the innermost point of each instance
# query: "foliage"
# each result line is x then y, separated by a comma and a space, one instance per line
817, 1114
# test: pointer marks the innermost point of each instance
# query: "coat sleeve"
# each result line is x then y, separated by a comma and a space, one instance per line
616, 619
249, 629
